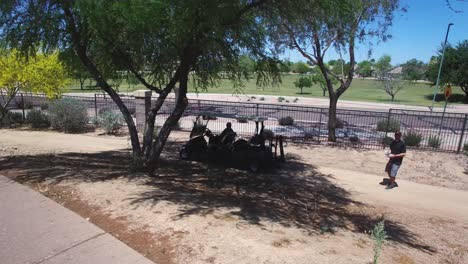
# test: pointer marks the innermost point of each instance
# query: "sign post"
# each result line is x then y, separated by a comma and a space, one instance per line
447, 93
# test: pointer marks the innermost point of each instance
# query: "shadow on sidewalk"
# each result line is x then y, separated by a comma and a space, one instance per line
295, 195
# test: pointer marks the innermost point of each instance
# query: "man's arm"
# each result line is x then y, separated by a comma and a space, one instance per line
401, 155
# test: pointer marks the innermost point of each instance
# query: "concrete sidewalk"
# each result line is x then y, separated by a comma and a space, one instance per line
35, 229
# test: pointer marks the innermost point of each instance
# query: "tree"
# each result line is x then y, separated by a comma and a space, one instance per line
160, 42
42, 74
317, 78
414, 70
246, 64
454, 69
286, 66
301, 67
365, 68
313, 27
392, 86
303, 82
383, 66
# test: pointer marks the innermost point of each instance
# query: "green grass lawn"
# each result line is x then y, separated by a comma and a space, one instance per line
360, 90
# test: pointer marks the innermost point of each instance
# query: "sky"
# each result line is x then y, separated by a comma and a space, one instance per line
418, 33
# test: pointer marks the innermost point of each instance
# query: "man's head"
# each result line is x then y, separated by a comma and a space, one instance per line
228, 125
398, 136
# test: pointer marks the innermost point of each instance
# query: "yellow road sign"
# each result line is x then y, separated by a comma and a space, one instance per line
447, 91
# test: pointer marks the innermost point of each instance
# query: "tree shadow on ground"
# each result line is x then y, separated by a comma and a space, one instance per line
295, 195
454, 98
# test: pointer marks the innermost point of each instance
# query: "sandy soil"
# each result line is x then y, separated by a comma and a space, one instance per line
317, 208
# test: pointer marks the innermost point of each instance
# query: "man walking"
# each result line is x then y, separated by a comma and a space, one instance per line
397, 152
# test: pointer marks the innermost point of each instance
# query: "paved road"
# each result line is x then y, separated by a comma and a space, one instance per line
34, 229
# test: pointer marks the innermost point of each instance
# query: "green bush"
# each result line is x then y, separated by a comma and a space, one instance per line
68, 115
387, 141
295, 100
281, 99
434, 141
110, 121
37, 119
379, 236
286, 121
44, 106
261, 98
393, 125
354, 139
413, 138
15, 117
340, 123
24, 105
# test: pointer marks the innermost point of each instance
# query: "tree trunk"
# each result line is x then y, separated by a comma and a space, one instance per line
332, 118
171, 121
324, 92
393, 97
301, 91
82, 81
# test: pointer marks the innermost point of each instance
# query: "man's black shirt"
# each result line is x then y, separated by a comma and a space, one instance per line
397, 147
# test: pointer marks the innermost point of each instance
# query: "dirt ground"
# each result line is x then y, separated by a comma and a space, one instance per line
319, 207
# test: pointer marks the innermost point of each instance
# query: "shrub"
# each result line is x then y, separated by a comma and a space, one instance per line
387, 141
465, 148
354, 139
340, 123
242, 119
434, 141
413, 138
261, 98
281, 99
379, 236
287, 101
37, 119
295, 100
253, 97
286, 121
110, 121
68, 115
44, 106
104, 110
393, 125
15, 117
24, 105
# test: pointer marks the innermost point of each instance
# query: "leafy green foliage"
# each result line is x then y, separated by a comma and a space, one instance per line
303, 82
44, 106
414, 70
455, 68
15, 117
379, 236
386, 141
434, 141
110, 121
413, 138
365, 68
388, 125
392, 86
286, 121
68, 115
301, 67
37, 119
383, 66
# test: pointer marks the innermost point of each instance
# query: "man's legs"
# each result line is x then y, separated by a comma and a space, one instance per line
392, 173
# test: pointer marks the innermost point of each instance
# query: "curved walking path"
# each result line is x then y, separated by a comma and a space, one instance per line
35, 229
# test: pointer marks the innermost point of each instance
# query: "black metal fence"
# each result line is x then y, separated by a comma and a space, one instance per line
438, 132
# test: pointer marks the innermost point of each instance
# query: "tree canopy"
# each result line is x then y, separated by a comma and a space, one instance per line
414, 70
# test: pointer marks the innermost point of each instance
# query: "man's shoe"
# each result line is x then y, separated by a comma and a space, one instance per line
385, 181
391, 186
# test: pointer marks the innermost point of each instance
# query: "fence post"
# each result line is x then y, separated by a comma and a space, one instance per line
462, 134
256, 113
95, 106
22, 106
320, 125
142, 107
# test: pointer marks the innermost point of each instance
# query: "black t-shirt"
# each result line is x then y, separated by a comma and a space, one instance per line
397, 147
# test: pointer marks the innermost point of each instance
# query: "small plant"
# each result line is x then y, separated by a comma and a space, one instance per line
242, 119
434, 141
340, 123
412, 138
354, 139
387, 141
104, 110
44, 106
286, 121
287, 101
253, 97
465, 149
261, 98
379, 236
110, 121
68, 115
388, 125
15, 117
295, 100
281, 99
23, 105
37, 119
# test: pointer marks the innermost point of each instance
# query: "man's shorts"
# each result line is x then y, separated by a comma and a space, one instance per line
392, 169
